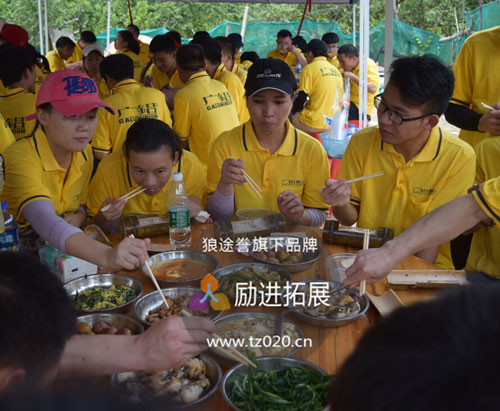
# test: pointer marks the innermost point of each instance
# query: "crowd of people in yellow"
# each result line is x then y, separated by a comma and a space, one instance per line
79, 129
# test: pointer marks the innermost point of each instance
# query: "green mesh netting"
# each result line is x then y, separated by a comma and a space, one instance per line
407, 40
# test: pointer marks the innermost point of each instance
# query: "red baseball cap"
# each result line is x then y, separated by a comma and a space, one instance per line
70, 92
14, 34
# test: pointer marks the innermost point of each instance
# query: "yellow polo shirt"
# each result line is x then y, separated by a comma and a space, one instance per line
484, 254
242, 74
373, 78
488, 198
144, 53
15, 105
441, 172
325, 87
290, 58
137, 63
477, 78
235, 88
161, 79
41, 73
335, 61
114, 179
32, 173
203, 110
6, 136
56, 62
300, 164
131, 101
77, 54
245, 65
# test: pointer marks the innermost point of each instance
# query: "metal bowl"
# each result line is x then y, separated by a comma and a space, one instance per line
266, 364
229, 269
312, 256
176, 255
327, 322
115, 320
104, 281
229, 362
153, 300
214, 374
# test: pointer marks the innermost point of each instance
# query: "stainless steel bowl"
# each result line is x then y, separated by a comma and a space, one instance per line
115, 320
153, 300
229, 362
176, 255
312, 256
327, 322
104, 281
229, 269
214, 374
265, 364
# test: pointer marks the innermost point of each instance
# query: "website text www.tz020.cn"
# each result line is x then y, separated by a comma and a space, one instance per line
268, 341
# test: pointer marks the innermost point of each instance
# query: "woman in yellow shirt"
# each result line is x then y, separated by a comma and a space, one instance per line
126, 44
47, 174
150, 155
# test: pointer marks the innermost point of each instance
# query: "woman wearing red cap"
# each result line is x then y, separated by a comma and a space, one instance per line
47, 174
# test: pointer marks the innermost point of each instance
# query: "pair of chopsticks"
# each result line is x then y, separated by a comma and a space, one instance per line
377, 174
229, 351
366, 245
487, 106
153, 278
255, 187
128, 196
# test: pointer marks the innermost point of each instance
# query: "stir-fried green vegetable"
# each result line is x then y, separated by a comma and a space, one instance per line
290, 389
99, 298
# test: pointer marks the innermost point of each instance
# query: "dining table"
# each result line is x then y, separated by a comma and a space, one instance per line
329, 347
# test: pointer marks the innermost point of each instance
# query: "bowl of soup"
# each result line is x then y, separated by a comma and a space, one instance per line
184, 268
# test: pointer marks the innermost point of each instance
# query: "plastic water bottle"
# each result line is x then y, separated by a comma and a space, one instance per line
298, 70
9, 239
178, 211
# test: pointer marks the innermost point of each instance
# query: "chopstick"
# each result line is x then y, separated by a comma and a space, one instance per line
229, 351
487, 106
128, 196
377, 174
148, 269
366, 245
255, 187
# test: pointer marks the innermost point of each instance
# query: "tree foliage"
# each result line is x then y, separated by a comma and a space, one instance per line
436, 16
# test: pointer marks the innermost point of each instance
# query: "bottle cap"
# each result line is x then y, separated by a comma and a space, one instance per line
177, 177
5, 205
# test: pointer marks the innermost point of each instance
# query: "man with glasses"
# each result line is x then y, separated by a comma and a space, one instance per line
424, 167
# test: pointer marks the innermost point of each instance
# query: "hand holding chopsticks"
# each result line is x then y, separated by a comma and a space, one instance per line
128, 196
255, 187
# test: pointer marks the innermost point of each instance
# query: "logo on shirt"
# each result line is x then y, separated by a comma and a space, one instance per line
79, 85
423, 191
292, 183
218, 100
134, 113
17, 125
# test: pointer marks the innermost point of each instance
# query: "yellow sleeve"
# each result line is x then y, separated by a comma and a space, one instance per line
196, 177
480, 157
306, 80
54, 62
182, 118
373, 76
101, 142
217, 157
176, 81
90, 166
23, 178
488, 198
318, 171
6, 136
352, 167
236, 91
463, 69
101, 188
149, 72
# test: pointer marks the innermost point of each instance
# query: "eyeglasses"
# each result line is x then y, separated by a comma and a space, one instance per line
395, 117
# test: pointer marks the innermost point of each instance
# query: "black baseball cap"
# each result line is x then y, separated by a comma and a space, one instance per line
236, 39
270, 74
317, 47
